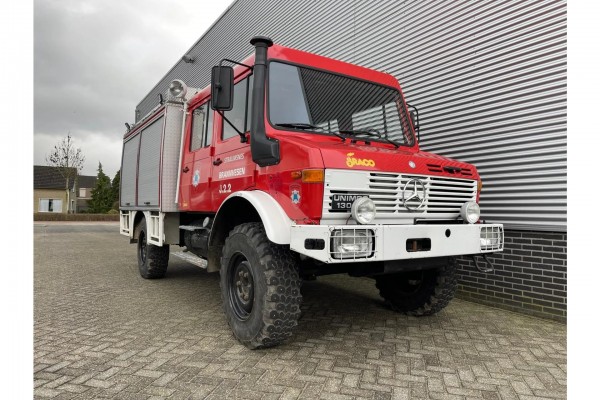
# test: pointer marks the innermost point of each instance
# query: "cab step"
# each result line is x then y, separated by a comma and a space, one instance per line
191, 258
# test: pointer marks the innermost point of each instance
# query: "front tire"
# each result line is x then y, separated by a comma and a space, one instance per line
260, 287
419, 293
152, 260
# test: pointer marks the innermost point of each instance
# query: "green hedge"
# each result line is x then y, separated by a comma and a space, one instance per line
74, 217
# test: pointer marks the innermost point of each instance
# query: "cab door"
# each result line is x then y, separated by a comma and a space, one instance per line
197, 166
233, 168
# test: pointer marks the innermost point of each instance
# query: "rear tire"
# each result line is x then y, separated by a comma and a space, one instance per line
419, 293
260, 287
152, 260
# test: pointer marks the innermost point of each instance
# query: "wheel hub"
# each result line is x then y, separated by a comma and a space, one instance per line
143, 245
412, 283
241, 287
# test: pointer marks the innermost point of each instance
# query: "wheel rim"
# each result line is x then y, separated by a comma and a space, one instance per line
240, 287
142, 247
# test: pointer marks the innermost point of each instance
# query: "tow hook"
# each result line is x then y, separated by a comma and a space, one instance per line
483, 268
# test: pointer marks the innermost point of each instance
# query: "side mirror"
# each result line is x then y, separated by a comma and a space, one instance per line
221, 88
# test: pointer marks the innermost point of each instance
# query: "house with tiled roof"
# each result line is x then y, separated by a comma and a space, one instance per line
85, 184
50, 195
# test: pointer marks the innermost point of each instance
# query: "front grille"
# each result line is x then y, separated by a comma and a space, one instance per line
443, 200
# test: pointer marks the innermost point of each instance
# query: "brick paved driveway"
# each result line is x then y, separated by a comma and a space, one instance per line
101, 331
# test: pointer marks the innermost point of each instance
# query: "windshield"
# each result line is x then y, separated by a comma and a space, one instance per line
323, 102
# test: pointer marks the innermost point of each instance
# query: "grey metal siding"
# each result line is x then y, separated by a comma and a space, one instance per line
489, 78
149, 166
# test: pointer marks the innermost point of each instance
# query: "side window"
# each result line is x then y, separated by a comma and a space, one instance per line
202, 123
240, 113
209, 126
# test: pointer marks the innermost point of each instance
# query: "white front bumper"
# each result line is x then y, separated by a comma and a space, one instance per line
391, 240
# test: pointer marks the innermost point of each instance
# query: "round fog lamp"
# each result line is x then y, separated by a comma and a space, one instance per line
363, 210
470, 212
177, 88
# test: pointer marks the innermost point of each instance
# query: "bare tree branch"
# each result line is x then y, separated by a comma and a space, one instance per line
68, 160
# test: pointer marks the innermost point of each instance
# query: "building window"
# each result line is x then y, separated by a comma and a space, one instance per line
50, 205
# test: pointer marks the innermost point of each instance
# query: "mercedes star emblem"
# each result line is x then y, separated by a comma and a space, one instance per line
413, 194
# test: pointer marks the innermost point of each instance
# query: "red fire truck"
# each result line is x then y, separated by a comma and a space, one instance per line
289, 166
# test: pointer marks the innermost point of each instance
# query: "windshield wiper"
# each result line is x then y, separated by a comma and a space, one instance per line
370, 132
304, 126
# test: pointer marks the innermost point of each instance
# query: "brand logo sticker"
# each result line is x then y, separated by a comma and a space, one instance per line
351, 161
412, 164
196, 178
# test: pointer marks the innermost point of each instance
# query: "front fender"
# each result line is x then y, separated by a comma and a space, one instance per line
276, 222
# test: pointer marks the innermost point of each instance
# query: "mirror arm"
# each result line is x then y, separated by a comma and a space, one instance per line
218, 81
243, 138
235, 62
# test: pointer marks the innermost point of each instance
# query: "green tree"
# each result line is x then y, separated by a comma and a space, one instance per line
116, 183
102, 197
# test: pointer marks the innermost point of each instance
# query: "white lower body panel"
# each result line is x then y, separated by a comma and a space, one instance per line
390, 241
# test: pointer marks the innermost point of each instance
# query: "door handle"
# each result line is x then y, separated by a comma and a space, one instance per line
218, 161
186, 169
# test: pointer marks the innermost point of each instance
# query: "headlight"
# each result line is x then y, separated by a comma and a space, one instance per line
470, 212
363, 210
177, 88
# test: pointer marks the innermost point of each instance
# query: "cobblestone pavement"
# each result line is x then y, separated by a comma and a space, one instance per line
101, 331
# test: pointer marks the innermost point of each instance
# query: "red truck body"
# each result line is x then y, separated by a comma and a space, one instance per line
280, 200
302, 151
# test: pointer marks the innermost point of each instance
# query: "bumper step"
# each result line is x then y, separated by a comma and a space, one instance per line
191, 258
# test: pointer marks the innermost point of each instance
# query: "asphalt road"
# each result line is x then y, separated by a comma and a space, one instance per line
101, 331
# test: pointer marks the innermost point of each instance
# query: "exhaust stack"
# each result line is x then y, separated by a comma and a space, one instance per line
265, 151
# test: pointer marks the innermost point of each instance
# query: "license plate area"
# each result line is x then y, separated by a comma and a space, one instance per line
343, 202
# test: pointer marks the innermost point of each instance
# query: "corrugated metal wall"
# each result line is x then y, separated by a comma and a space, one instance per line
489, 78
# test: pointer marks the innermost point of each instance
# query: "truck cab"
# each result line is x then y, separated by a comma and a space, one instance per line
291, 165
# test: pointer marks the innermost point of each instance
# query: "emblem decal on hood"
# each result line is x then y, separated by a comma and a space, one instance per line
414, 194
295, 194
351, 161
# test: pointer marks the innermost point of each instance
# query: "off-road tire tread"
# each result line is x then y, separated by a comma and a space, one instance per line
157, 259
281, 309
430, 300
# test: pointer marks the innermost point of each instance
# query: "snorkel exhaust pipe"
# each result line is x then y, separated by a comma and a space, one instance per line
265, 151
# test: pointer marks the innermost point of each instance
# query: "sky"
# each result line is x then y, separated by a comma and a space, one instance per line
94, 61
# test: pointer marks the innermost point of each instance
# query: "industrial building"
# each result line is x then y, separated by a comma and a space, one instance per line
489, 79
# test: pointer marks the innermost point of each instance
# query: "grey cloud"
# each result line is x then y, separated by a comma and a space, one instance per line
95, 60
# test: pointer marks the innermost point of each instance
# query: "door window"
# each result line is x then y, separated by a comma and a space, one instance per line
239, 115
202, 127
